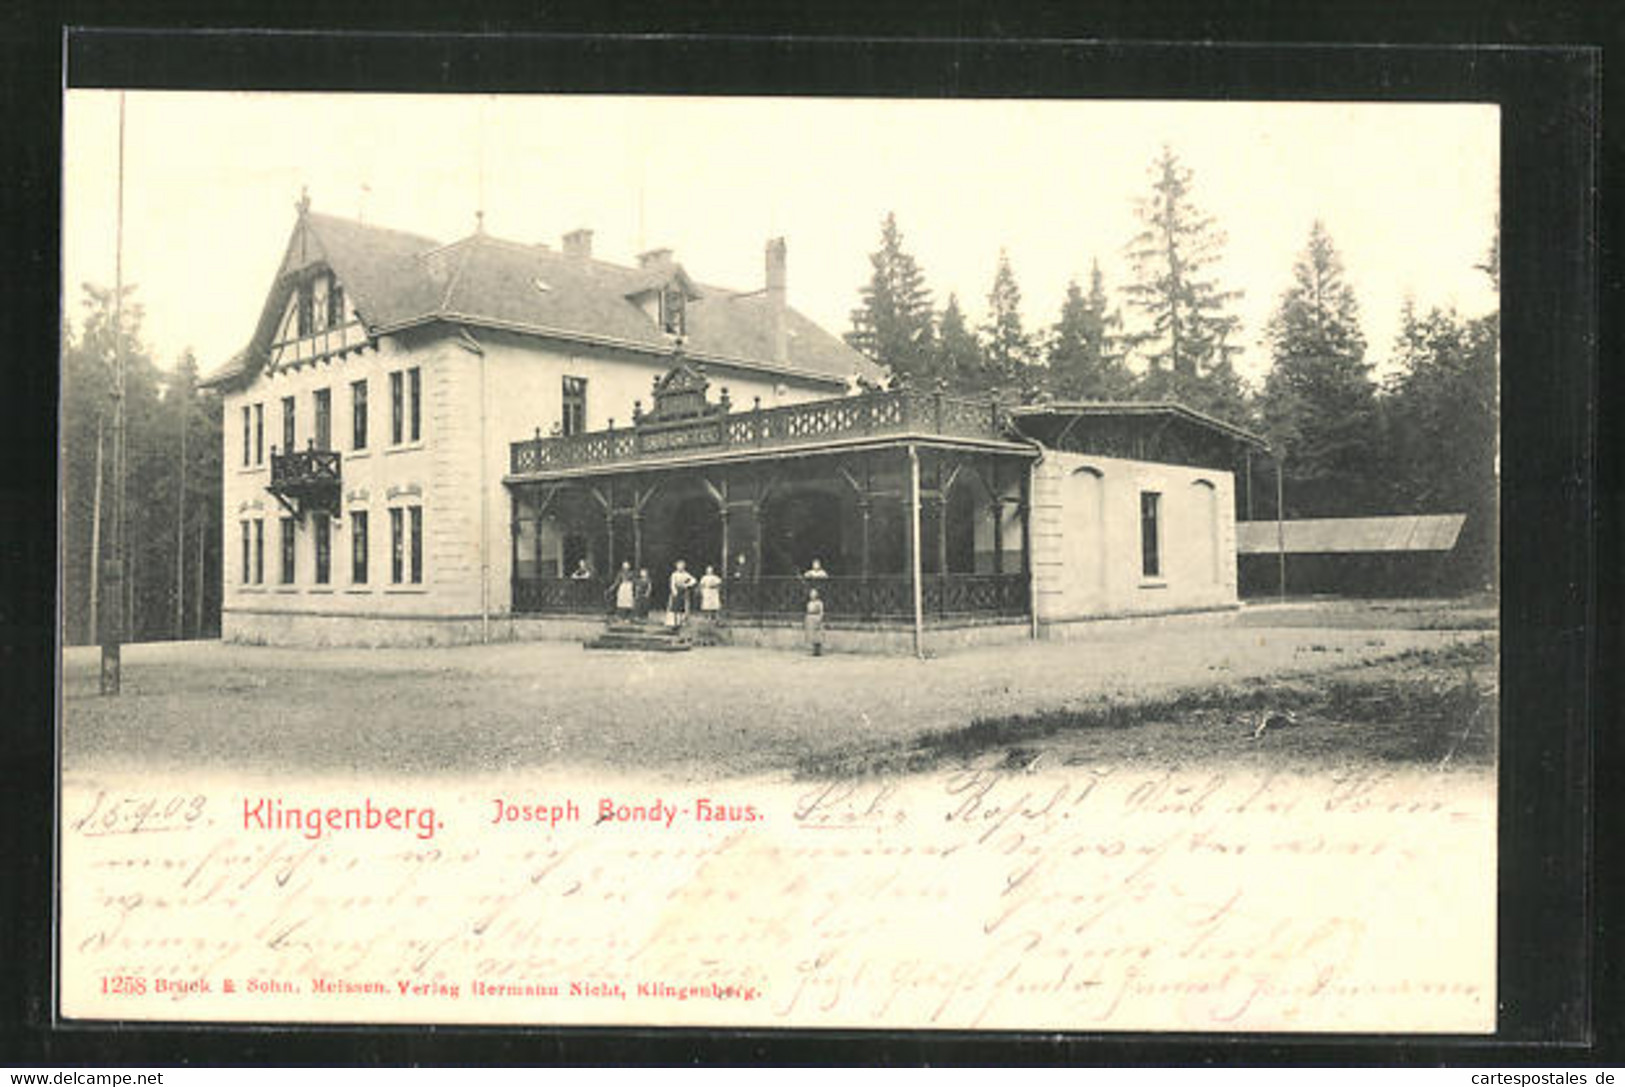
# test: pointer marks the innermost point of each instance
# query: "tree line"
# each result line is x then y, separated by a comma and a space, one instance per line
171, 575
1422, 441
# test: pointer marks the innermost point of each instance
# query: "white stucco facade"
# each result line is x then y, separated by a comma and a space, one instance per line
1089, 545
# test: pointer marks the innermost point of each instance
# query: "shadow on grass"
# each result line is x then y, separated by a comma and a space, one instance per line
1424, 707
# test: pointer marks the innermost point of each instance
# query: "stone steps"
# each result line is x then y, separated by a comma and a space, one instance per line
648, 639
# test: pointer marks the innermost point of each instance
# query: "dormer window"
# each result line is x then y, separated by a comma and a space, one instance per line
674, 310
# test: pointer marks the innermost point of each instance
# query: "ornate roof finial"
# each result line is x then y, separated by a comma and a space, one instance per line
479, 220
304, 201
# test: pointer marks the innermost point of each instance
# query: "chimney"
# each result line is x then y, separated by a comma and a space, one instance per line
654, 257
776, 307
578, 243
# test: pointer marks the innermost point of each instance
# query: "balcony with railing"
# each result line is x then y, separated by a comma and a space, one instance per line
718, 428
309, 479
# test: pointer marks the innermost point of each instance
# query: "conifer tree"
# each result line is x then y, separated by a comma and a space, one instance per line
959, 355
1007, 350
1084, 360
1184, 331
893, 325
1319, 401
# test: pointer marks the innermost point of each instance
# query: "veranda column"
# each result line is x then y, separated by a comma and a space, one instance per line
914, 547
637, 539
998, 517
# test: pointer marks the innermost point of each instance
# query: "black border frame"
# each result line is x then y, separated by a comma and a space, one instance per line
1551, 637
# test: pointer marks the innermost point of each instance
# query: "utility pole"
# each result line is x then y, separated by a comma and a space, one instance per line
112, 633
180, 526
1280, 523
96, 541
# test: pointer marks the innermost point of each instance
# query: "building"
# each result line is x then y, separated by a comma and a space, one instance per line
1401, 555
424, 441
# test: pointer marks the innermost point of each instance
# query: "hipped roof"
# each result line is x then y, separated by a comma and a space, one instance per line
396, 280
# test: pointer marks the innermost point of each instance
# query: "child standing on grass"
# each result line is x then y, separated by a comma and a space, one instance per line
815, 623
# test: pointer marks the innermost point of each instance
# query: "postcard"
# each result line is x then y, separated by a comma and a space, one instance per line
779, 562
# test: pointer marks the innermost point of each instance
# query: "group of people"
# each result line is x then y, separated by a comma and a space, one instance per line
633, 595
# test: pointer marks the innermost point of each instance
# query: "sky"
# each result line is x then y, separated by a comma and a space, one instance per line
1408, 192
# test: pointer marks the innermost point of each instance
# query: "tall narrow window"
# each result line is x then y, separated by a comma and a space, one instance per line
289, 430
248, 438
416, 514
306, 310
1150, 533
574, 420
248, 555
415, 380
318, 297
358, 409
335, 304
323, 528
397, 407
324, 419
259, 551
397, 545
259, 433
358, 547
674, 310
288, 540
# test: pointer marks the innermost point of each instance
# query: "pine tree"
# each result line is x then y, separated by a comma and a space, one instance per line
1184, 340
1319, 403
1442, 412
959, 355
1084, 363
893, 326
1007, 350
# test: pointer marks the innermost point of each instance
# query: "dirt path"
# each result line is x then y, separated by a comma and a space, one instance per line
695, 715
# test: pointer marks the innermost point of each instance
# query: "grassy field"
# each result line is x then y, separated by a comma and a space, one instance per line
1332, 682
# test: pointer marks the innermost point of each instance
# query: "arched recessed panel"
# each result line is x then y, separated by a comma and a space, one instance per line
1205, 506
1084, 538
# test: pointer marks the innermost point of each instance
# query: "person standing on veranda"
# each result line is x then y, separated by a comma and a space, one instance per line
682, 585
710, 600
643, 590
625, 593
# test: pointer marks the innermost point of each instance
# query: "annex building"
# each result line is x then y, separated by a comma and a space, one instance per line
423, 441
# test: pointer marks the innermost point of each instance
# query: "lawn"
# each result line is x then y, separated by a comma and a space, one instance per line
1362, 682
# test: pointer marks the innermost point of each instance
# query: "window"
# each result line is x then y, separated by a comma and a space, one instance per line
574, 420
288, 428
318, 298
406, 545
259, 433
259, 551
415, 379
397, 545
358, 547
405, 405
323, 528
248, 438
673, 310
358, 401
335, 304
305, 310
287, 550
1150, 533
248, 553
397, 407
416, 514
324, 419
